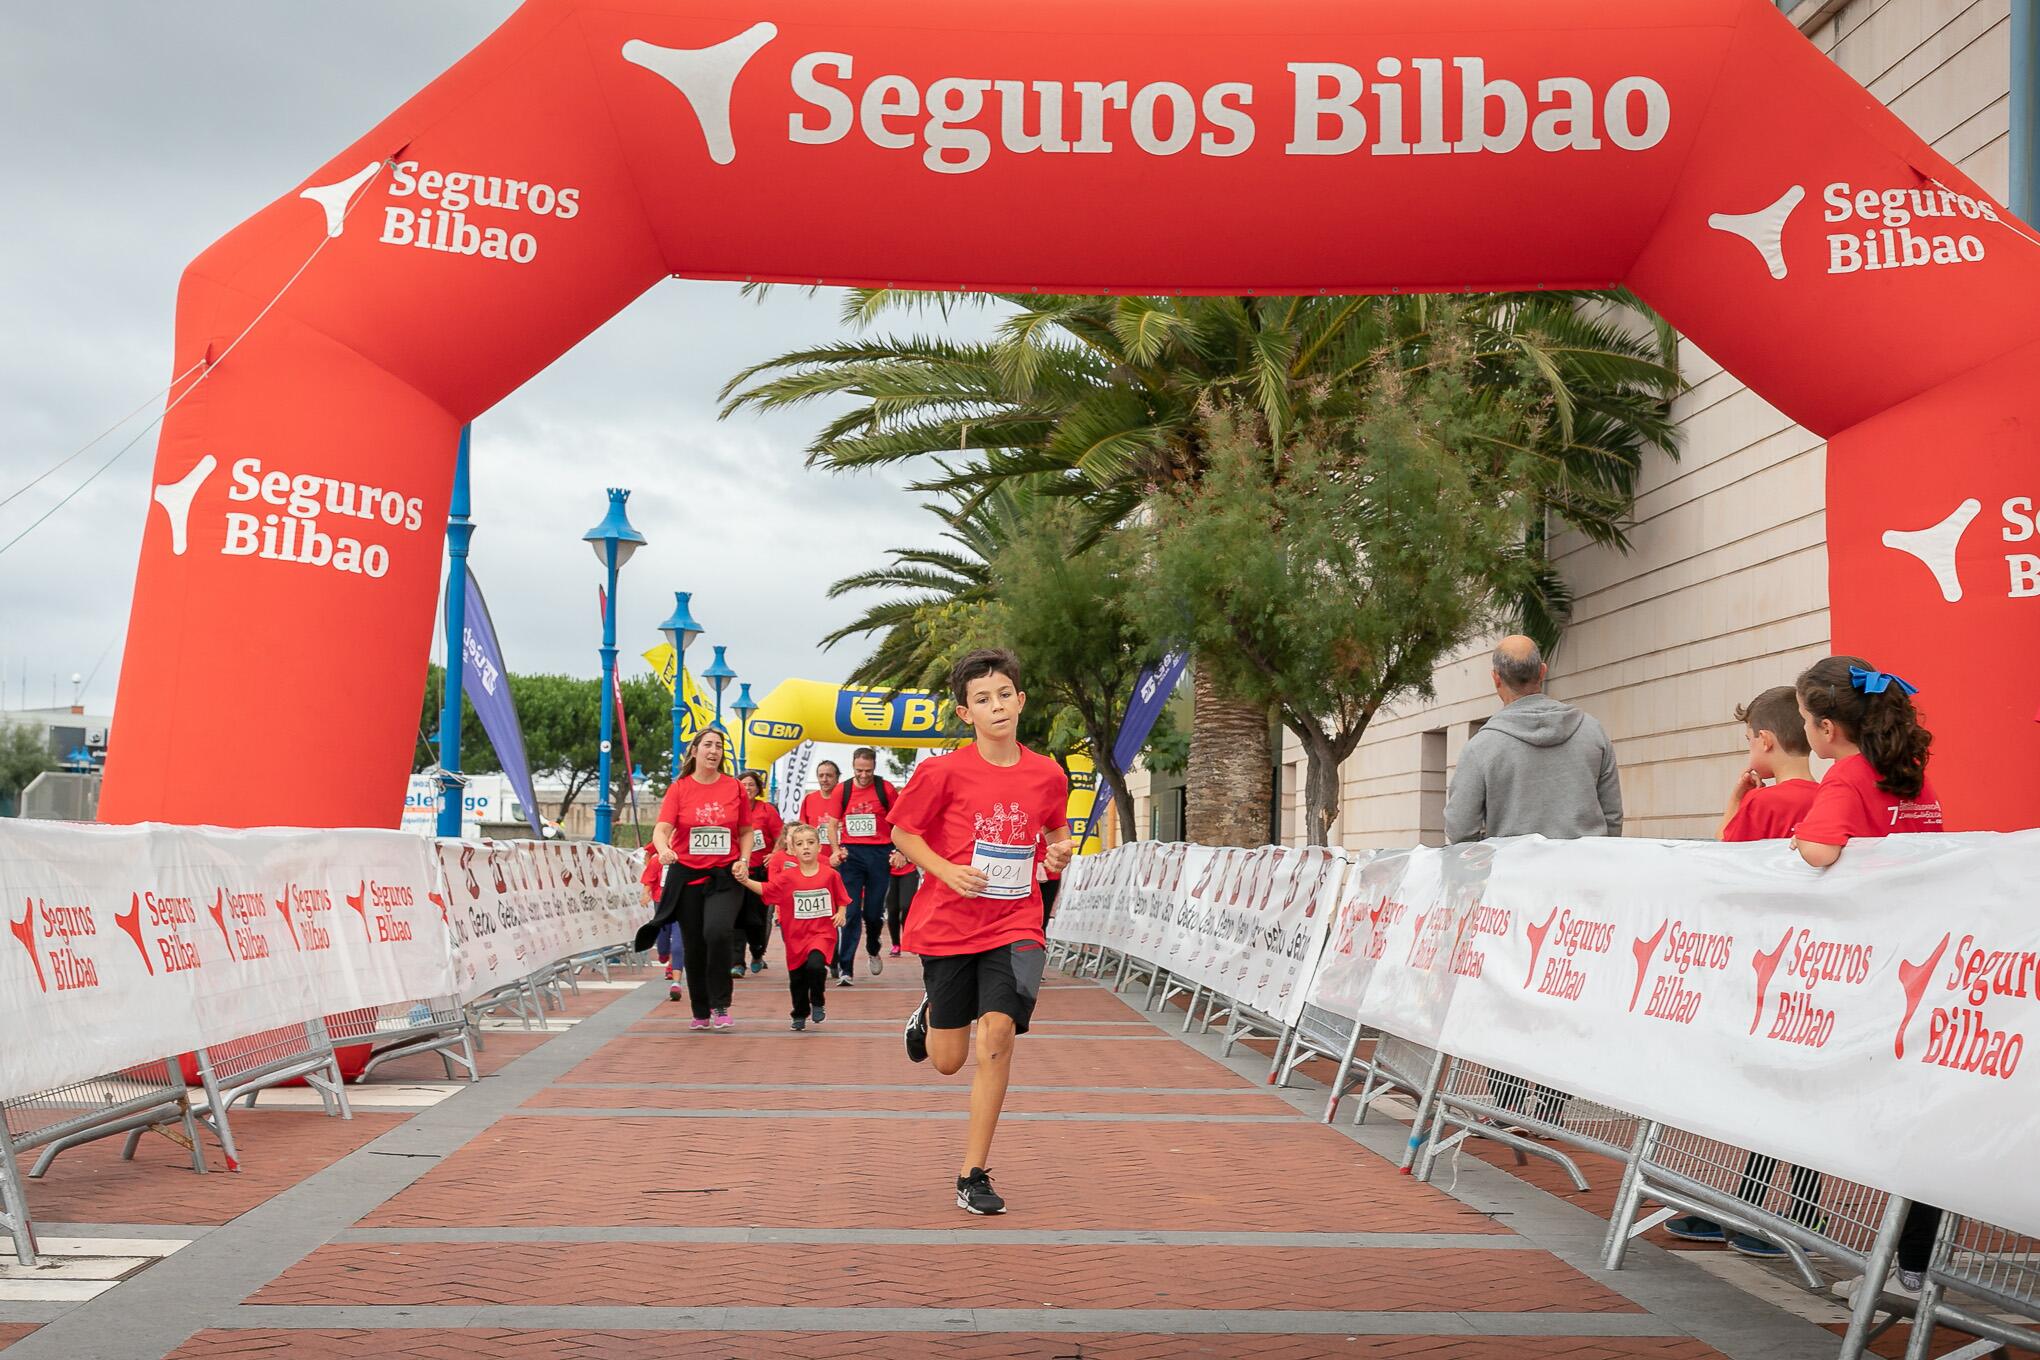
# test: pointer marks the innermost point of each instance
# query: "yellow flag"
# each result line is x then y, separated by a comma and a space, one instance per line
697, 713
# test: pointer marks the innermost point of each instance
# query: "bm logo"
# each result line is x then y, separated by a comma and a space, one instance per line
874, 713
771, 729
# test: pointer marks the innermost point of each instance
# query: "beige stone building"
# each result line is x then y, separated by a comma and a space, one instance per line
1724, 590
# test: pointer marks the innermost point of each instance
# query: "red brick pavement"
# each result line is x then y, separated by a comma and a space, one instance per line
862, 1059
11, 1332
942, 1097
404, 1344
997, 1276
686, 1172
279, 1148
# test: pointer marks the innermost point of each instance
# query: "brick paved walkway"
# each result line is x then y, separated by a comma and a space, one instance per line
627, 1187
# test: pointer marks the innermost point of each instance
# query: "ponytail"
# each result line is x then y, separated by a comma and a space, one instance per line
1885, 724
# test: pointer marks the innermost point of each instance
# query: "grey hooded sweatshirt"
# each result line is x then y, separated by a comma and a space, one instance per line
1540, 768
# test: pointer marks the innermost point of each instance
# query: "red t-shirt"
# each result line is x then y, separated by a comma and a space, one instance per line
817, 808
1849, 804
766, 824
654, 871
1770, 813
855, 805
706, 820
973, 812
905, 867
807, 906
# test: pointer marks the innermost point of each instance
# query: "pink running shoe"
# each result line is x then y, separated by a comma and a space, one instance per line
895, 951
722, 1020
697, 1024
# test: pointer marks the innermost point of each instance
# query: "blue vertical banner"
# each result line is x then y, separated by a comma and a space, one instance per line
487, 682
1150, 695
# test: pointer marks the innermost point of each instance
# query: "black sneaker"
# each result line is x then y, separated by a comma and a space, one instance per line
917, 1033
799, 1023
974, 1193
818, 1015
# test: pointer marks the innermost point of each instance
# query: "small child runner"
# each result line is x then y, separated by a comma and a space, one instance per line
899, 895
1775, 736
1863, 720
766, 829
668, 943
970, 821
811, 901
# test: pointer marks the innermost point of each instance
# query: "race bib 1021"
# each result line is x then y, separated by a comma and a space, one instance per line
811, 904
1008, 869
708, 840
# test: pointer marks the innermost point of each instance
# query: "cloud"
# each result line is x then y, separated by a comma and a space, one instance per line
162, 127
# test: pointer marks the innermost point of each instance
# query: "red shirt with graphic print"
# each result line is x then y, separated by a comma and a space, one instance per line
991, 817
706, 820
1849, 804
807, 905
766, 824
857, 805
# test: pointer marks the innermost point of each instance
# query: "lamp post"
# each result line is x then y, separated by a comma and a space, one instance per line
459, 529
680, 630
719, 674
614, 541
744, 708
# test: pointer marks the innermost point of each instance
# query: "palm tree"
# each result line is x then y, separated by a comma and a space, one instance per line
1107, 400
906, 655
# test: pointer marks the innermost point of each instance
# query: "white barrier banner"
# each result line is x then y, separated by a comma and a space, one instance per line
519, 906
144, 942
1869, 1021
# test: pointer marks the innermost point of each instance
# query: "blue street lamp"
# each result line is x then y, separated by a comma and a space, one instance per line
719, 674
744, 708
614, 541
680, 631
459, 529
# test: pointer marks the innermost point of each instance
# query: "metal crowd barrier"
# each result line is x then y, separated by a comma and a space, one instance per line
145, 1096
438, 1025
14, 1206
1486, 1102
241, 1069
1993, 1266
1976, 1267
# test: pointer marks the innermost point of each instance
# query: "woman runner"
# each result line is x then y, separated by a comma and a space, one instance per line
703, 829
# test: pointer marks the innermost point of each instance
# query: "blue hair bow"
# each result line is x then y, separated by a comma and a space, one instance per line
1876, 682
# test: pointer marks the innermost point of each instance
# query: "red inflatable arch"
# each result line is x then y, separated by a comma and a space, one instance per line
1698, 150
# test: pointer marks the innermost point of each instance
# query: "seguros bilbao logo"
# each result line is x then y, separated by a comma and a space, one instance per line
1400, 105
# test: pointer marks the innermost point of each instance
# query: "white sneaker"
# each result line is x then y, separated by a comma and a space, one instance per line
1904, 1284
877, 964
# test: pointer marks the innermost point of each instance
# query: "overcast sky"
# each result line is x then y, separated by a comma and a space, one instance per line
138, 132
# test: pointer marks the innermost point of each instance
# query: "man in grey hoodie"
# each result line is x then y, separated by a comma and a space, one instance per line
1537, 767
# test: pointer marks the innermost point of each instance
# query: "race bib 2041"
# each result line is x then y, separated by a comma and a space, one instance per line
1008, 869
708, 840
810, 904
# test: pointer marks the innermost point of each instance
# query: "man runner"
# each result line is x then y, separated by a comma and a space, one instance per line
970, 821
863, 856
818, 808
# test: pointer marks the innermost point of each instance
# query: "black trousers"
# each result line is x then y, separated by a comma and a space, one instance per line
755, 921
807, 983
707, 909
1049, 888
1916, 1236
898, 898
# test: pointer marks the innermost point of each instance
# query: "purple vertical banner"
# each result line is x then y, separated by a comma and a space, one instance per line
1150, 695
487, 682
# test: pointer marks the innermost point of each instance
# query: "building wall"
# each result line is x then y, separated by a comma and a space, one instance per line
1724, 590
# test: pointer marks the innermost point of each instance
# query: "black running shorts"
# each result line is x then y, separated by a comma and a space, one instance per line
962, 987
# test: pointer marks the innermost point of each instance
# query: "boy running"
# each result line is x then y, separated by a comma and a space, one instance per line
970, 821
